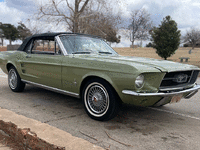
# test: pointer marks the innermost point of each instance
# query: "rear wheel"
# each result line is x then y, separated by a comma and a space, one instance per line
100, 100
14, 80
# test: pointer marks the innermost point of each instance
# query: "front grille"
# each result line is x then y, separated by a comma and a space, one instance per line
180, 78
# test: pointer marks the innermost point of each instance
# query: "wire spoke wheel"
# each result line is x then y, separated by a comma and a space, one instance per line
12, 79
99, 100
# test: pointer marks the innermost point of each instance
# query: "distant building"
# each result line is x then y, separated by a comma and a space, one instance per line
187, 44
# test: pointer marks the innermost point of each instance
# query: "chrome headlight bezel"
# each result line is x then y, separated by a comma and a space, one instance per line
139, 81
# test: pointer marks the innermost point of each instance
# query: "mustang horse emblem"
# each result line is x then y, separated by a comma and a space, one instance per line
181, 78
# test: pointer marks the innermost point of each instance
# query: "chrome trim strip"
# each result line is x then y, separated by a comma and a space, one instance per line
176, 88
53, 89
129, 92
61, 45
188, 69
191, 76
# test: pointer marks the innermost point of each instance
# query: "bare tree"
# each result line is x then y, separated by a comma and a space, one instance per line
64, 11
81, 16
101, 25
140, 25
192, 36
23, 31
36, 26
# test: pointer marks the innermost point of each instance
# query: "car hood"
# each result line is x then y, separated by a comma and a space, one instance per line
137, 62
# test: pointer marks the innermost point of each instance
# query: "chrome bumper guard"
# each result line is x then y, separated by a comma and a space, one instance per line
192, 91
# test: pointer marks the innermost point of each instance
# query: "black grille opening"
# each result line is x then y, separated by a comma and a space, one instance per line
194, 76
180, 78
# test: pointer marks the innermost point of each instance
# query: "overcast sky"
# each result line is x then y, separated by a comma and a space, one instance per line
185, 12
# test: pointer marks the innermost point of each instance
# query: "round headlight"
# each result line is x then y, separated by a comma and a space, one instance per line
139, 81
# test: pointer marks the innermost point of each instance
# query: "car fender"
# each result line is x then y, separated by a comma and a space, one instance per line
17, 66
99, 75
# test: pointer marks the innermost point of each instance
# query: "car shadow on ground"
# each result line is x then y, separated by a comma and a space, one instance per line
129, 115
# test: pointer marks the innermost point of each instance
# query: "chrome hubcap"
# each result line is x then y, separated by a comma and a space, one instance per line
12, 79
97, 99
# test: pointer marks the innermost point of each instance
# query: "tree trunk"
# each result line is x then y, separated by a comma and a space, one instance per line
132, 39
193, 46
2, 41
10, 41
75, 26
75, 22
132, 43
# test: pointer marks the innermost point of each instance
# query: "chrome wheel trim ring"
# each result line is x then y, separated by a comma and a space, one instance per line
96, 99
12, 79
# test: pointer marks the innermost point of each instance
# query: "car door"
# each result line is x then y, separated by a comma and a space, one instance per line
70, 78
42, 63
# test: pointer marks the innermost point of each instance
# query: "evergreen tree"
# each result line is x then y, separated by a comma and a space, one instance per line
10, 32
166, 38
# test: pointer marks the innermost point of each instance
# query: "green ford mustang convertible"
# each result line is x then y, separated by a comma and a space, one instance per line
86, 67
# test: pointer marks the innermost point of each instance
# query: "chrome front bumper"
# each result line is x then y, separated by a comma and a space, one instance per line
191, 92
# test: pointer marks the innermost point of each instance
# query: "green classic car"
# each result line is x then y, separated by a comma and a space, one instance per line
86, 67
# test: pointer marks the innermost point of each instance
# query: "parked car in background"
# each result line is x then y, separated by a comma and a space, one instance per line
86, 67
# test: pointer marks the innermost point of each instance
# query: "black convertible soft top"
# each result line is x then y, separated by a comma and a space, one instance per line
47, 36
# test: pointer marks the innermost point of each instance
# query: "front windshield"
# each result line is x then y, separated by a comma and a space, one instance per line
79, 44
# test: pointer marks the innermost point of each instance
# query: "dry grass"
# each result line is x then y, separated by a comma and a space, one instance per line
150, 52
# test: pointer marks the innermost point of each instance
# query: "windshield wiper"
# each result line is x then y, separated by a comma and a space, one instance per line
104, 52
81, 52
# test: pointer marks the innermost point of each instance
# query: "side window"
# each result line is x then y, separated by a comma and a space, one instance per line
43, 47
39, 46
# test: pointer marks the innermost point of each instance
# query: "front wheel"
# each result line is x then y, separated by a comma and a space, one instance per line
14, 80
100, 100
